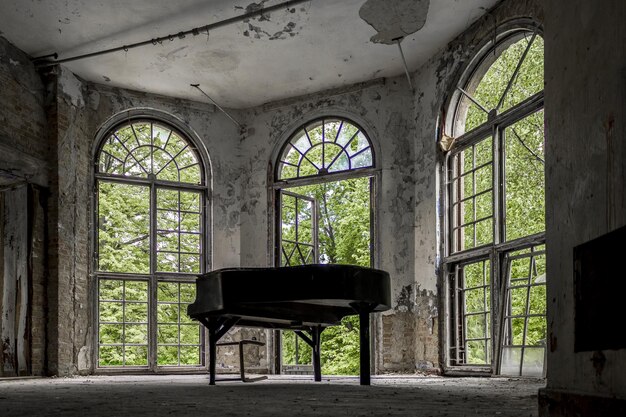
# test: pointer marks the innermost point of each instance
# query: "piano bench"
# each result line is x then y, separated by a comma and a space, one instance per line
242, 370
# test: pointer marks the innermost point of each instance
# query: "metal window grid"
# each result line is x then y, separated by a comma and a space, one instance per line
106, 172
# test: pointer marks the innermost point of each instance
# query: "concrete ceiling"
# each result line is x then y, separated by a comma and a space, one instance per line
321, 44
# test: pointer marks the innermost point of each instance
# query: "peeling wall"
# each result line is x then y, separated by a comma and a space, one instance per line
23, 159
586, 171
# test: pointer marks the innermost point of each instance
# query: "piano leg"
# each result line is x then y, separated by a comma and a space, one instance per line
217, 327
316, 332
364, 357
315, 342
212, 350
364, 310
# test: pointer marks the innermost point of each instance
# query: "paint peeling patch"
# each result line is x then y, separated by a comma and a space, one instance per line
12, 62
394, 19
287, 31
405, 302
72, 87
267, 28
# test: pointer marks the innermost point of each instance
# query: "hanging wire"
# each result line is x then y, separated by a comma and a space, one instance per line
406, 67
197, 86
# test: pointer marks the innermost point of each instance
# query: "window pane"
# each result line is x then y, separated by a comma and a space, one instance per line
111, 312
190, 355
167, 355
123, 228
111, 356
475, 300
123, 324
529, 80
471, 195
474, 312
475, 326
188, 293
524, 177
110, 289
136, 312
177, 335
136, 355
168, 291
476, 354
136, 334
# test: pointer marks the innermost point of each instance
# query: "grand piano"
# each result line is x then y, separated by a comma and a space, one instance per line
306, 299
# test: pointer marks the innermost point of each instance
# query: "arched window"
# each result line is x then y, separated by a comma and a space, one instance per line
495, 251
323, 181
151, 193
325, 146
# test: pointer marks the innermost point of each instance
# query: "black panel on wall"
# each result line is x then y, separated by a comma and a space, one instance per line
600, 285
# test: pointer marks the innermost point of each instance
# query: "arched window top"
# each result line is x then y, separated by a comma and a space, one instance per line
510, 72
150, 150
325, 146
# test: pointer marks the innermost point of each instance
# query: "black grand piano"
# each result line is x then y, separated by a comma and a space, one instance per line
306, 299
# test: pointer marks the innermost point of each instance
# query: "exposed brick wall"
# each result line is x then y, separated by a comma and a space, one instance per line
38, 285
69, 213
22, 117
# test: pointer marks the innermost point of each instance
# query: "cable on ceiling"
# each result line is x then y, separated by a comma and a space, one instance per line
43, 61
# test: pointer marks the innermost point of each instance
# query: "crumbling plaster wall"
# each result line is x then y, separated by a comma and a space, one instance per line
434, 83
384, 109
586, 189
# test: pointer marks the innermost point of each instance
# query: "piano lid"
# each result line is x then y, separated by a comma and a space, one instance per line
229, 289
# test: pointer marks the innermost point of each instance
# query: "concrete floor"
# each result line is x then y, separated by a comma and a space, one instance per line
298, 396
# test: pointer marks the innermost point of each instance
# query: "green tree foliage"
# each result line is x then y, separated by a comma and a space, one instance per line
344, 238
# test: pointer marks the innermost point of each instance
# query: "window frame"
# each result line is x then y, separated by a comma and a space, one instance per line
496, 251
153, 277
276, 186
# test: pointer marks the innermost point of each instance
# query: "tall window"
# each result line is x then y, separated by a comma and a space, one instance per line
150, 243
323, 181
495, 260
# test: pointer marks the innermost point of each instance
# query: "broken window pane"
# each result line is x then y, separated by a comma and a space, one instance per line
524, 336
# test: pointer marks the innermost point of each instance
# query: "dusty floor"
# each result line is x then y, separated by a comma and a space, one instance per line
297, 396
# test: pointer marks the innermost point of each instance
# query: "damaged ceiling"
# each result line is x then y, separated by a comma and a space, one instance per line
309, 47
